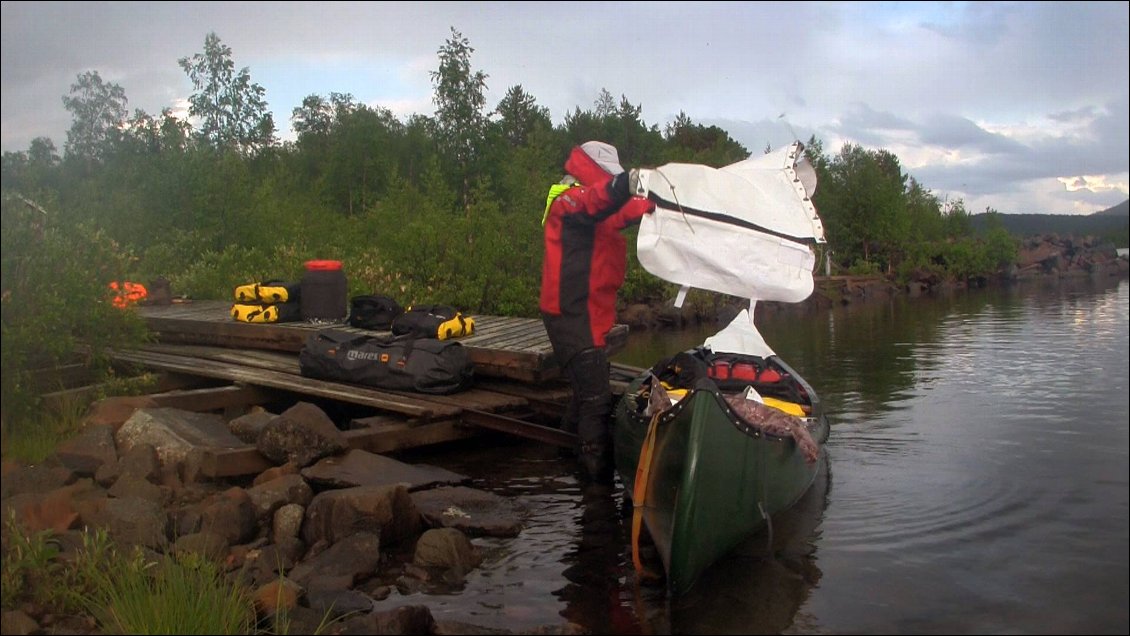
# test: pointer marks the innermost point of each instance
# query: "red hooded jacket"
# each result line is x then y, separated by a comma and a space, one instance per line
585, 253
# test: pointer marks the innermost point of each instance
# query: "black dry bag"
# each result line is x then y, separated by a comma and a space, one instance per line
423, 365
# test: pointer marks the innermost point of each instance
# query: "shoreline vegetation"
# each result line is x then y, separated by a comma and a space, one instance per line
1045, 258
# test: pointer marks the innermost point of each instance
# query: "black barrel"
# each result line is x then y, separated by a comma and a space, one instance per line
324, 292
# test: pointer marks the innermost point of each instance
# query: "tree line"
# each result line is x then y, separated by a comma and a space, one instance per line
438, 208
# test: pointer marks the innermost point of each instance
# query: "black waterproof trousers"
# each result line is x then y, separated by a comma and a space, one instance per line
588, 413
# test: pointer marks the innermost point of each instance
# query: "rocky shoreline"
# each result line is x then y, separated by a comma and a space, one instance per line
325, 534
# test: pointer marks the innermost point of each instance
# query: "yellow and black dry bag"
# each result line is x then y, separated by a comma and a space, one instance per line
269, 292
265, 313
433, 321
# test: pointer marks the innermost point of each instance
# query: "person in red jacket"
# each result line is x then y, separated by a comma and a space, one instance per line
585, 261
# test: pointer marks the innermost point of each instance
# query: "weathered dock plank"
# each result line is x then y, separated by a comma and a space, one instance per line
417, 407
288, 363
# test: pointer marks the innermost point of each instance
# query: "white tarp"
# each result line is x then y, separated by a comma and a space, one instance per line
743, 230
740, 336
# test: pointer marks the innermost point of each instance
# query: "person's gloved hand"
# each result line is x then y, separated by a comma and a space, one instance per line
634, 182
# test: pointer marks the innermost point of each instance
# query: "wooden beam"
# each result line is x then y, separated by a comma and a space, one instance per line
58, 378
488, 400
404, 435
218, 463
59, 402
521, 428
214, 398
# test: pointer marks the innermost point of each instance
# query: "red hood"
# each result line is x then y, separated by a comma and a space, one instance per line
584, 169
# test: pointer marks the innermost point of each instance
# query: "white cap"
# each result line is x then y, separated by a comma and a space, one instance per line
605, 155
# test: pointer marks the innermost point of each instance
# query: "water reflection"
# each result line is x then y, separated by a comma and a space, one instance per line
596, 572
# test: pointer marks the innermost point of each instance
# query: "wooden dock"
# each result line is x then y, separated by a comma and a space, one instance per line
502, 347
517, 389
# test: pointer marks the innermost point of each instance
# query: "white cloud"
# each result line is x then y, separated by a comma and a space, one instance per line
1094, 183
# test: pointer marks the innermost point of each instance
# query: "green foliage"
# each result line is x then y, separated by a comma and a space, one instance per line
56, 301
1001, 248
126, 593
1118, 238
1028, 225
129, 590
215, 274
183, 594
520, 117
232, 110
98, 110
693, 143
40, 432
861, 201
960, 259
459, 98
861, 267
28, 566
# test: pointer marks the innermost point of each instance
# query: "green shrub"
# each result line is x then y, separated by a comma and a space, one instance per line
56, 303
42, 431
182, 594
28, 566
864, 268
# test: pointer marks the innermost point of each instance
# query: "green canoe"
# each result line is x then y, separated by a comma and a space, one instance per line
710, 478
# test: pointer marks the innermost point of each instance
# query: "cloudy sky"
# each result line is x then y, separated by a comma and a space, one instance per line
1018, 106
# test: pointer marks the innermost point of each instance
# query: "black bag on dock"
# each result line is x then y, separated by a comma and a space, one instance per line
373, 311
433, 321
423, 365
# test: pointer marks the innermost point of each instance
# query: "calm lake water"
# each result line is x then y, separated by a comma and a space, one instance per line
978, 482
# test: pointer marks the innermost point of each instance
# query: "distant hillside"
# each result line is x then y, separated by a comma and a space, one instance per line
1112, 221
1122, 210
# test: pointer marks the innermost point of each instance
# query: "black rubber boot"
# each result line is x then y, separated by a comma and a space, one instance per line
593, 397
597, 463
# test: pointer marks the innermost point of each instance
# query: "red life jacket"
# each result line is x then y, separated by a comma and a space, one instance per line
127, 293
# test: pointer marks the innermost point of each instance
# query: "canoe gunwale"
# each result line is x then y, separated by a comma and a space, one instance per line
811, 422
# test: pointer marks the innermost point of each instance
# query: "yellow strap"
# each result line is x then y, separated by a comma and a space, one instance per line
792, 408
555, 191
639, 494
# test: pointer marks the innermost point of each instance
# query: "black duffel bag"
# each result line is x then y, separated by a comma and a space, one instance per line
424, 365
373, 311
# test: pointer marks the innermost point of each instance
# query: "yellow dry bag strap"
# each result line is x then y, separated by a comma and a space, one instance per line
639, 494
255, 313
456, 327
